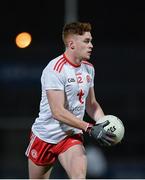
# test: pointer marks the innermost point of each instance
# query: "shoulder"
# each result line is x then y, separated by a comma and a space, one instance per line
89, 67
86, 63
55, 65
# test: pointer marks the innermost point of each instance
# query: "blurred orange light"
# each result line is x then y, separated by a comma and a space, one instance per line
23, 39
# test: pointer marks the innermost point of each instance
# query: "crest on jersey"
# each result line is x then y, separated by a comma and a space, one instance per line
88, 78
34, 153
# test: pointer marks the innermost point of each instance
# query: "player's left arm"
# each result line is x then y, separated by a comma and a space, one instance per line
95, 111
93, 108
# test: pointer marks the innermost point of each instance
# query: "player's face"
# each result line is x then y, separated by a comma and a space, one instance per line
83, 45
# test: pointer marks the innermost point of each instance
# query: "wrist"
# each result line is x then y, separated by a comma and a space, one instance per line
88, 128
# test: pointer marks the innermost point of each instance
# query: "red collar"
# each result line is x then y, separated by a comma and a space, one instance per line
74, 65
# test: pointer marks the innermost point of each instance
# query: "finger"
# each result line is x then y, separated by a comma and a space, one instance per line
104, 142
110, 134
105, 123
109, 139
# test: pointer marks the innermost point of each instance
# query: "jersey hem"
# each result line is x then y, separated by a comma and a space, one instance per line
49, 140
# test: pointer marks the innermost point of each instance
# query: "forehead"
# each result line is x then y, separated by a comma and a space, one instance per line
86, 35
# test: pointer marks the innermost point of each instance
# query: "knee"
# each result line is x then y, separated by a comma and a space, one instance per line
78, 172
78, 176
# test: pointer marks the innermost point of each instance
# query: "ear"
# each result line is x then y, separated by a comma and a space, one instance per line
71, 44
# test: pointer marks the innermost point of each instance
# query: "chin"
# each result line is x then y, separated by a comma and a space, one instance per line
87, 58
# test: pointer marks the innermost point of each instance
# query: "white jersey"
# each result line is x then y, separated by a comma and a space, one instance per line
75, 81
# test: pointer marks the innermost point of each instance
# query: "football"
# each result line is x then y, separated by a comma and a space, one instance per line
115, 126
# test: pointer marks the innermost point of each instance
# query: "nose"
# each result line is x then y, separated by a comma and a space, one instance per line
91, 45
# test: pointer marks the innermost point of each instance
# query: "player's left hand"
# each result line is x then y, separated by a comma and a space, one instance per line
102, 136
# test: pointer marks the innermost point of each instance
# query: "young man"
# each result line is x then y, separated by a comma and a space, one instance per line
67, 91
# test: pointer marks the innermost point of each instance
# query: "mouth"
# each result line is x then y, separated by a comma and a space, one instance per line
89, 52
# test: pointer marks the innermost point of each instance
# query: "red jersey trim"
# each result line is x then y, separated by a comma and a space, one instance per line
74, 65
88, 63
59, 64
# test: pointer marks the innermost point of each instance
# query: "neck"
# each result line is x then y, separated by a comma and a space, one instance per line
72, 58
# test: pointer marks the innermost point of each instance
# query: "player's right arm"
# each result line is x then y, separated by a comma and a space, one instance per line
56, 99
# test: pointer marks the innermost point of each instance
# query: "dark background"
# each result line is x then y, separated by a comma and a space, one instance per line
119, 60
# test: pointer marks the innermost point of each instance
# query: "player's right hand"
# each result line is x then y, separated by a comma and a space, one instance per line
102, 136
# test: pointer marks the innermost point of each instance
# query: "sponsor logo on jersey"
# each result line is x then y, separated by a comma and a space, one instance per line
77, 108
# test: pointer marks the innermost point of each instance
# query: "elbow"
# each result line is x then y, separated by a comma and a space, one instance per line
57, 113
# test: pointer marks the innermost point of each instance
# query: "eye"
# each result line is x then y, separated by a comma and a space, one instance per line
87, 41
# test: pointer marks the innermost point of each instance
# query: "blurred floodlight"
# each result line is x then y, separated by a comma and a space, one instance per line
23, 39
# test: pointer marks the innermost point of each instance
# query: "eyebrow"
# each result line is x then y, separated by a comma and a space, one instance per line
88, 38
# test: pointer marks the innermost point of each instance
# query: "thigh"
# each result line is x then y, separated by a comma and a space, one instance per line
38, 172
40, 158
74, 161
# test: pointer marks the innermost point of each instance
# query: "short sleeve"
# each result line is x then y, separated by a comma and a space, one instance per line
92, 72
52, 80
